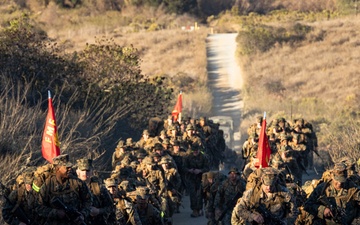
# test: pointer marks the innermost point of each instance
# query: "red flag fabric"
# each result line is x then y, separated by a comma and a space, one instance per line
50, 143
264, 150
178, 108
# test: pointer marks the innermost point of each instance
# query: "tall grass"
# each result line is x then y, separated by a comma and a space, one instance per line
81, 132
315, 78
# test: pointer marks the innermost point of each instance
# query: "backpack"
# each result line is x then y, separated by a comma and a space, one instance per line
41, 174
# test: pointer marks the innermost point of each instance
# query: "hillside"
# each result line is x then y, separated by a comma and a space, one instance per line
315, 78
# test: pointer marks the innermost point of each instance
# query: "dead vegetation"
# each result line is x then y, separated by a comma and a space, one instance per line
316, 78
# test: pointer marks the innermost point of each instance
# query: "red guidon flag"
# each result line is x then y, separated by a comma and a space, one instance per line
50, 143
176, 113
264, 150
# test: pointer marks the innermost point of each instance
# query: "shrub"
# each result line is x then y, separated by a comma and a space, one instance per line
260, 38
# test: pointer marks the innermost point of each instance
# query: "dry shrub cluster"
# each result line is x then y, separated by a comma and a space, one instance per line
316, 78
308, 6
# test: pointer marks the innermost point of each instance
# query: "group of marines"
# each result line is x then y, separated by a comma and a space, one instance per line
150, 176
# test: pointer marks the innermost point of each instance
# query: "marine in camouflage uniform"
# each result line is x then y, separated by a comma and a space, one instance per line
24, 198
178, 157
70, 190
266, 203
195, 165
173, 183
174, 134
232, 187
287, 157
205, 130
210, 183
282, 127
301, 149
145, 142
190, 137
336, 201
351, 170
153, 176
148, 214
119, 154
124, 212
255, 128
102, 203
310, 139
250, 147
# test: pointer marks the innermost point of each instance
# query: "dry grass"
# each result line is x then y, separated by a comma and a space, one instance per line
303, 70
165, 49
315, 79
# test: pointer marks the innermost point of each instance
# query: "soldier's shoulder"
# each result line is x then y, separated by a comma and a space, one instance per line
13, 195
76, 181
95, 179
247, 194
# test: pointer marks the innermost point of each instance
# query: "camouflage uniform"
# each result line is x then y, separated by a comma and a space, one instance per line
148, 214
173, 183
24, 198
119, 154
190, 137
174, 135
195, 165
124, 212
178, 157
255, 128
146, 142
338, 196
250, 147
102, 202
301, 149
70, 190
268, 203
232, 187
211, 182
287, 157
311, 140
351, 170
153, 177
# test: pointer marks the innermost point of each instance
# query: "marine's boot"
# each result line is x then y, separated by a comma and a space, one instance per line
195, 213
177, 209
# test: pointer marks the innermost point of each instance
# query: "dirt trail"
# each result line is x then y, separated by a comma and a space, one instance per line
225, 80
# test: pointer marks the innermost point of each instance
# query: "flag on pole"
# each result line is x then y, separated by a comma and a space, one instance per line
176, 113
264, 150
50, 143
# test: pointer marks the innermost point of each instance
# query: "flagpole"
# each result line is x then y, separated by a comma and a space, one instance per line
180, 114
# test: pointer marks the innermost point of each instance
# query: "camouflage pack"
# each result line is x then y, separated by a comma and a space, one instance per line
41, 174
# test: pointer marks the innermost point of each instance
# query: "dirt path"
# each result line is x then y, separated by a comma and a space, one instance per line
225, 79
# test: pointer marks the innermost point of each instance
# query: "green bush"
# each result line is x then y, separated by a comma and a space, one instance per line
274, 87
260, 38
